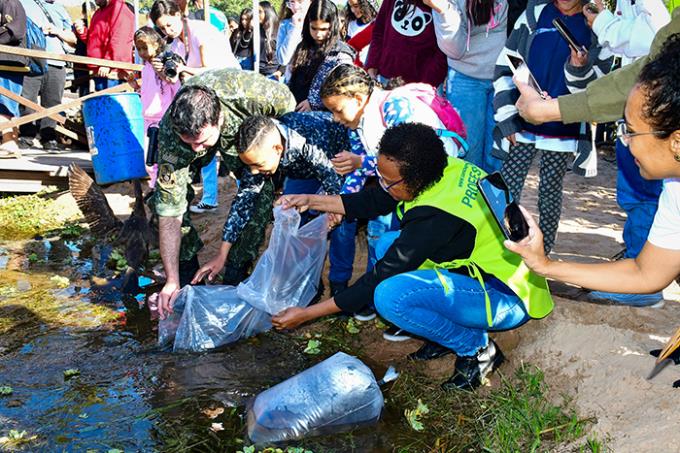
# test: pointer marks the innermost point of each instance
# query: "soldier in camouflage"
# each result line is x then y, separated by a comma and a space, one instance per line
202, 120
297, 145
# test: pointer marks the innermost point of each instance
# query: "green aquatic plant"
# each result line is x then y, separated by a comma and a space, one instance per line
6, 390
25, 216
71, 372
313, 347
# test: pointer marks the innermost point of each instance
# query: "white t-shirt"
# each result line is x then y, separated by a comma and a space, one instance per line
216, 46
665, 231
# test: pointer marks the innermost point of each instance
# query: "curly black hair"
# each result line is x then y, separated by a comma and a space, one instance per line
252, 131
418, 152
661, 84
194, 108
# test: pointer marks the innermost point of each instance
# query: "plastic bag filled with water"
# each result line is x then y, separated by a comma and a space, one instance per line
335, 395
213, 316
288, 272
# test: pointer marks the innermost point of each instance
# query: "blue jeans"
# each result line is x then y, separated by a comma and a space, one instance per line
453, 316
638, 197
342, 247
376, 229
473, 98
209, 178
102, 83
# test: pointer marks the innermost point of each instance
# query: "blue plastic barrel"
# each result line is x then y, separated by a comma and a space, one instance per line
115, 134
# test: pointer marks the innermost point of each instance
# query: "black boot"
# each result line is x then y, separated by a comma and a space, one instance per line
233, 275
429, 351
471, 371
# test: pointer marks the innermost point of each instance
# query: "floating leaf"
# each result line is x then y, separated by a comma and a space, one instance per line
351, 326
312, 347
61, 282
83, 415
115, 450
413, 416
213, 413
6, 390
71, 372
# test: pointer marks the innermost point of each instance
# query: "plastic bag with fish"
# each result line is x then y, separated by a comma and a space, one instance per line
335, 395
288, 272
205, 317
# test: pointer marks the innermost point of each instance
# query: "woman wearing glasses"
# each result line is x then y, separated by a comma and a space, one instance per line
367, 110
445, 275
652, 132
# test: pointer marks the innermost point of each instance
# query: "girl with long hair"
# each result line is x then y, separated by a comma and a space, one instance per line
360, 13
242, 40
320, 50
269, 27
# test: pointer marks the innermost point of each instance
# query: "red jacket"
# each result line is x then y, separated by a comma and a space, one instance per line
361, 40
111, 32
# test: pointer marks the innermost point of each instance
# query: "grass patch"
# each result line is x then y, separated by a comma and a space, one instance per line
26, 216
516, 417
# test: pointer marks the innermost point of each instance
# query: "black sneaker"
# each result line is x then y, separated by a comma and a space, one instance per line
394, 333
337, 287
200, 208
471, 371
429, 351
365, 314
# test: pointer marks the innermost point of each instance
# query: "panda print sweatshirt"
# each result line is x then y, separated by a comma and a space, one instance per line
404, 43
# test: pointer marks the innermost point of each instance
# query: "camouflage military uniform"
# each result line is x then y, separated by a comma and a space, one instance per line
242, 94
311, 140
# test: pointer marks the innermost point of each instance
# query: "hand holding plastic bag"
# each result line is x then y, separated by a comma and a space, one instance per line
288, 272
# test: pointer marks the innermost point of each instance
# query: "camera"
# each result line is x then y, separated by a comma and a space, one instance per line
170, 60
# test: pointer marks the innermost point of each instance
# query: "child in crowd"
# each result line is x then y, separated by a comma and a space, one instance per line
359, 103
232, 25
360, 13
472, 33
269, 27
558, 70
291, 17
242, 40
156, 92
320, 50
404, 44
297, 145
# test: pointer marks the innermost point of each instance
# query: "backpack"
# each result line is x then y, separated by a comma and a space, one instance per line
447, 114
35, 39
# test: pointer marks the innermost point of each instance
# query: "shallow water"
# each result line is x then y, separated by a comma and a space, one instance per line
129, 394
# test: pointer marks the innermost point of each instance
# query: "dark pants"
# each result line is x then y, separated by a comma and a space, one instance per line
50, 88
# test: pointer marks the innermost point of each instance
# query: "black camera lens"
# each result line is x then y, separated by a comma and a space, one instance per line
170, 69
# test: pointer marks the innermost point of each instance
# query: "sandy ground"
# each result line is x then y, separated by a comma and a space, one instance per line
598, 354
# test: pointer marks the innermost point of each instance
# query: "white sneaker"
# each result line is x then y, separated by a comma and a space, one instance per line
201, 208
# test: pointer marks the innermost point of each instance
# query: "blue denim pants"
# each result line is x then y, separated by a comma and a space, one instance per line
209, 178
454, 315
342, 247
638, 197
102, 83
473, 98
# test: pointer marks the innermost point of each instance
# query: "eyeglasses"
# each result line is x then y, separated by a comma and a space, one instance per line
386, 187
625, 136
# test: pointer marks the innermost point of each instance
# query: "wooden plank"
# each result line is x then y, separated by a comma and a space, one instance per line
28, 182
70, 58
49, 162
61, 107
30, 104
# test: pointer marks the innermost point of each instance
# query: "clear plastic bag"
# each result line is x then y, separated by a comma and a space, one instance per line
205, 317
287, 275
335, 395
288, 272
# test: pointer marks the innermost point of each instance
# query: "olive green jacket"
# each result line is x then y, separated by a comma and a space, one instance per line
605, 99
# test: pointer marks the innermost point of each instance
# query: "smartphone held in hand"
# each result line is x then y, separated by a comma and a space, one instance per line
521, 71
504, 209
